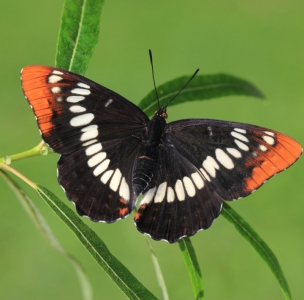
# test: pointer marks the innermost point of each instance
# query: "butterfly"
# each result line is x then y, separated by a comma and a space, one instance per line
111, 152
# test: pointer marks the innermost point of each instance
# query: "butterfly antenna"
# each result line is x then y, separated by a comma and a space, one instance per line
183, 87
151, 61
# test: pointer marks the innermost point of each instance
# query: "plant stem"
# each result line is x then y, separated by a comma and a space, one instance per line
40, 149
18, 174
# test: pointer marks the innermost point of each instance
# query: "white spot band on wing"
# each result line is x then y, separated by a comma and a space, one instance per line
82, 120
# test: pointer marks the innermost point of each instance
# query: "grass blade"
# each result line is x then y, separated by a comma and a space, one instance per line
46, 231
78, 34
92, 242
202, 87
193, 268
259, 245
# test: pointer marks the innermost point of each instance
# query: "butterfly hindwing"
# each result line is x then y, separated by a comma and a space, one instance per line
179, 201
98, 178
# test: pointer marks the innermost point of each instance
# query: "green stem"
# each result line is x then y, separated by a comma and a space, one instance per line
18, 174
40, 149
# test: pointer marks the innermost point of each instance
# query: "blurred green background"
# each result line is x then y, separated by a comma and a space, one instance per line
261, 41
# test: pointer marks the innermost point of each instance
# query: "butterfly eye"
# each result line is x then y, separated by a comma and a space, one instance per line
164, 115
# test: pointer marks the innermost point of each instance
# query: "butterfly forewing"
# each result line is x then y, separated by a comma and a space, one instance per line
71, 109
234, 158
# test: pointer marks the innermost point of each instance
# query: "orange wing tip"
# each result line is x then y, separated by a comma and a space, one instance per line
282, 155
43, 96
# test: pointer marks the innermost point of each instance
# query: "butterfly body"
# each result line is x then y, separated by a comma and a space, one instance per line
111, 153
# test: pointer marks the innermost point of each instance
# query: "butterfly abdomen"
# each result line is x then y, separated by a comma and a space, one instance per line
144, 169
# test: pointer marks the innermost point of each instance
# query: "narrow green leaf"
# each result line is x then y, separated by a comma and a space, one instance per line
46, 231
78, 34
158, 272
258, 244
202, 87
92, 242
193, 268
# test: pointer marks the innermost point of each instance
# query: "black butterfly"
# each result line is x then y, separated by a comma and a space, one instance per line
111, 152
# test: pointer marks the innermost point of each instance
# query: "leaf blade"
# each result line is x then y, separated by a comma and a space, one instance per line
259, 245
97, 248
202, 87
192, 266
46, 231
78, 34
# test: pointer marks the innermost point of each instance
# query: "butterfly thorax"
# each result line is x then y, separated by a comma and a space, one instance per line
156, 127
148, 155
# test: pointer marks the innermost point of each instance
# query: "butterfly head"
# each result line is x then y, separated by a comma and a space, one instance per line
161, 113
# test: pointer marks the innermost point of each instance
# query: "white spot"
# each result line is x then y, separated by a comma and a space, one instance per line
88, 135
189, 187
210, 130
89, 128
161, 191
57, 72
197, 179
206, 176
224, 159
179, 189
106, 176
254, 154
77, 109
115, 181
108, 102
75, 99
96, 159
59, 99
270, 133
241, 145
93, 149
124, 190
82, 120
210, 165
170, 194
240, 130
101, 168
89, 143
268, 139
263, 148
148, 196
54, 79
81, 91
239, 136
83, 85
56, 90
234, 152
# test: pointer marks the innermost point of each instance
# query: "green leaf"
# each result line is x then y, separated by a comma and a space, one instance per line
158, 272
46, 231
202, 87
78, 34
193, 268
92, 242
258, 244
